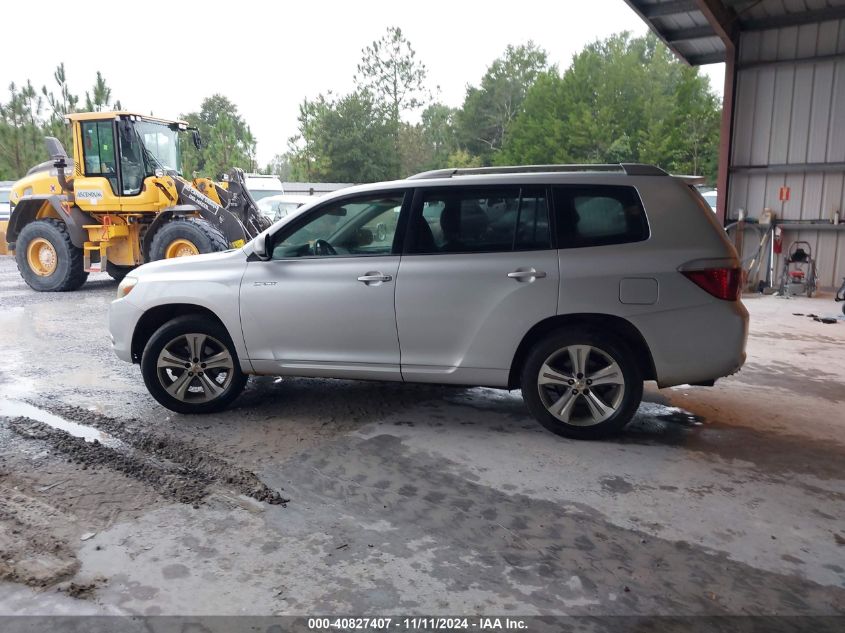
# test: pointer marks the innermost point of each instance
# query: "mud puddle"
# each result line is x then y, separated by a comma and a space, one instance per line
173, 467
18, 409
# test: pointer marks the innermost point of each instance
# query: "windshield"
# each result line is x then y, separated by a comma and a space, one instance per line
258, 194
162, 142
277, 209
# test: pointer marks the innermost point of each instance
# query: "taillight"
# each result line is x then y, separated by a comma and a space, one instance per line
722, 283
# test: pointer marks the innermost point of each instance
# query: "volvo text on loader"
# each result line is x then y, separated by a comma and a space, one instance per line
121, 201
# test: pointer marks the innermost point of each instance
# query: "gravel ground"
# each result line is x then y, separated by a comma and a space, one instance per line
318, 496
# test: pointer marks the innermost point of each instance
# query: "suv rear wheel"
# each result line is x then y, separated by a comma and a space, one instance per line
582, 384
190, 366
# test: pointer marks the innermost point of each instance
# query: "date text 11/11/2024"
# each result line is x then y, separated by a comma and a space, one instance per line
418, 624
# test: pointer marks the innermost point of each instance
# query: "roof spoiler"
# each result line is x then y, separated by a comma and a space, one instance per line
631, 169
691, 180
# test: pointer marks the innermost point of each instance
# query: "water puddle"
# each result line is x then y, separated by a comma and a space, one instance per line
15, 408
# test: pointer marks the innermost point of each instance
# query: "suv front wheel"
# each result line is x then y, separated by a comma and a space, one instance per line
190, 366
581, 384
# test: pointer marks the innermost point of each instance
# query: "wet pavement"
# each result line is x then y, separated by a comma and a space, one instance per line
318, 496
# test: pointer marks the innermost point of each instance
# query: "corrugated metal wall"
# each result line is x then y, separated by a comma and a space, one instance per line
793, 114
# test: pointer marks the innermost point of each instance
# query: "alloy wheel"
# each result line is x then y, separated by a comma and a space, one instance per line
581, 385
195, 368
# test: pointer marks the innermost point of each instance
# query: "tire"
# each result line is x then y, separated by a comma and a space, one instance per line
62, 267
118, 272
170, 343
613, 403
187, 231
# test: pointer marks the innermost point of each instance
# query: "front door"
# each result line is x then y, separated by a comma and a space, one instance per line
323, 305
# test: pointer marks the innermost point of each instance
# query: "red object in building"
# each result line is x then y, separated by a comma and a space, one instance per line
783, 194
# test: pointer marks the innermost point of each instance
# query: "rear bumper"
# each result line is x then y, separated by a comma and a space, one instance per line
697, 344
123, 317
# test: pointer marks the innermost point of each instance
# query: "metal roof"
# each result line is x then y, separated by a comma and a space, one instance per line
113, 114
699, 31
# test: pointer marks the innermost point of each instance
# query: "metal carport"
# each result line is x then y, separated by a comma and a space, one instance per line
783, 122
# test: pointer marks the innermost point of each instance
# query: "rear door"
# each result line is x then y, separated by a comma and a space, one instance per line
477, 273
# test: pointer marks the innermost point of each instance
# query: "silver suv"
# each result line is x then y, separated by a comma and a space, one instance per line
574, 284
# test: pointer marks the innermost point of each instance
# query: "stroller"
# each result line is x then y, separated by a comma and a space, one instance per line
799, 276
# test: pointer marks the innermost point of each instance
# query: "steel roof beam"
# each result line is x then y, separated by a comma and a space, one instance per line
793, 19
707, 58
692, 33
668, 8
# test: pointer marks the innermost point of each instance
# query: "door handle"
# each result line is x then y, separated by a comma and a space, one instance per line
374, 277
529, 274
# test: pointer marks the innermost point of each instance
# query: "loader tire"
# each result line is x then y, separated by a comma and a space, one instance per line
47, 259
186, 236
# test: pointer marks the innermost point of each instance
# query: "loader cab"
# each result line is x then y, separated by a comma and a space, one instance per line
117, 153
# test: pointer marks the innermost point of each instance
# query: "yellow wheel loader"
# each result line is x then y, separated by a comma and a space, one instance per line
120, 202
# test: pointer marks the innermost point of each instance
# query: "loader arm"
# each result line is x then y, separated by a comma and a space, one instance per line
220, 217
237, 215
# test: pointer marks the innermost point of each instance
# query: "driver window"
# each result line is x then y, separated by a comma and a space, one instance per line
347, 228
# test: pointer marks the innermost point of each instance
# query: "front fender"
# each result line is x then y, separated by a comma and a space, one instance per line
29, 209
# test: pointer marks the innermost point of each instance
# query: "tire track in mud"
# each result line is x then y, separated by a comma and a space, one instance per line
175, 468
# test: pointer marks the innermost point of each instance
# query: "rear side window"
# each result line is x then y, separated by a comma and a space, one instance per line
598, 216
474, 220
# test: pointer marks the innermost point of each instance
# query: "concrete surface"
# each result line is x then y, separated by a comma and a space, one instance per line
412, 499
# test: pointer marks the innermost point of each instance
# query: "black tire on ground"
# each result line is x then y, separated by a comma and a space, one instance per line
614, 348
118, 272
69, 273
173, 330
205, 237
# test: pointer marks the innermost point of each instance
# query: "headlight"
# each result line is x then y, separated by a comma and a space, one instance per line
125, 286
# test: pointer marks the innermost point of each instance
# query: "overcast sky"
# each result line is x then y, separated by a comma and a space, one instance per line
165, 57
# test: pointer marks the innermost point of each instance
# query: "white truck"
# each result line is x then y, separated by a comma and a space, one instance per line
263, 185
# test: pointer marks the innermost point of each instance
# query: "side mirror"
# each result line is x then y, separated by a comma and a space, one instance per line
260, 247
195, 136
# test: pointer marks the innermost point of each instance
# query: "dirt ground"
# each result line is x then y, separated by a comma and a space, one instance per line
339, 497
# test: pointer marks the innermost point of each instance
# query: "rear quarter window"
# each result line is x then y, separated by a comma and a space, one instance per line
598, 215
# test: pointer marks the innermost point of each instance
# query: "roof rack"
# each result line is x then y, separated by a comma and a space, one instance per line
630, 169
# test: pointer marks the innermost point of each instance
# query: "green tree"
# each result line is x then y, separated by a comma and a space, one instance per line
390, 71
281, 165
344, 140
99, 98
622, 99
60, 106
227, 139
21, 134
392, 74
439, 131
489, 109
